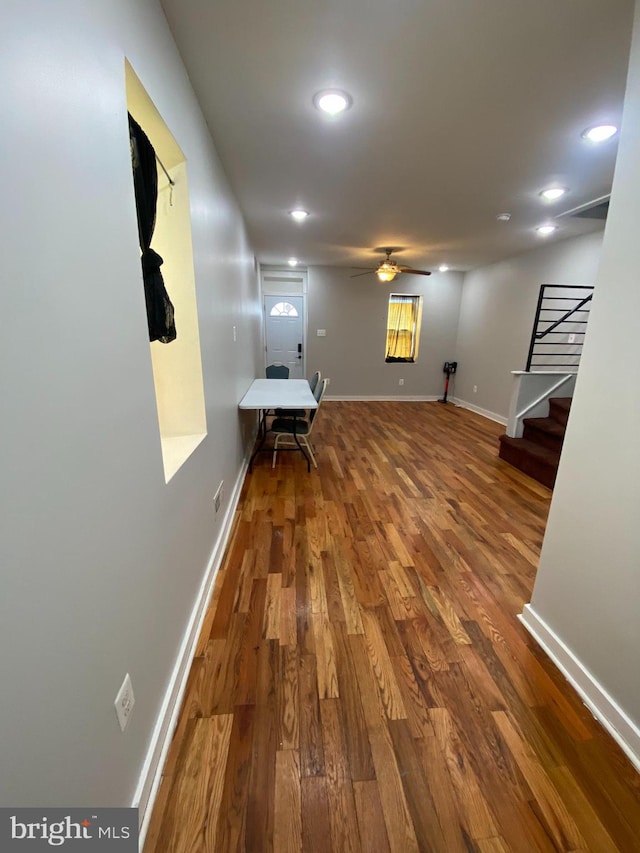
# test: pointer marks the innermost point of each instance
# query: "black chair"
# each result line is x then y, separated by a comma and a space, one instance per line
292, 433
277, 370
314, 381
300, 413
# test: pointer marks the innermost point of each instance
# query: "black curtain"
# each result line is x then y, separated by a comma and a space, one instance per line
145, 181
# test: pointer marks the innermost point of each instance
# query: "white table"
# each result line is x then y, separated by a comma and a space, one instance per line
266, 394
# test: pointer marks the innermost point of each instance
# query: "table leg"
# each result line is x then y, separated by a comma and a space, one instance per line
262, 429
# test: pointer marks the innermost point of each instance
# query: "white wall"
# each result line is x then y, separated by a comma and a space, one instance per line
100, 561
497, 312
587, 592
354, 313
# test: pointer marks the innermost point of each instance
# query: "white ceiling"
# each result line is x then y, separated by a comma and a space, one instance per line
462, 109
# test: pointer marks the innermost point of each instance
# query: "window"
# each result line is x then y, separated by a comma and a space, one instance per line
283, 309
403, 327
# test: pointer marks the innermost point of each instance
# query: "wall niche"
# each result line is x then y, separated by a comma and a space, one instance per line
177, 366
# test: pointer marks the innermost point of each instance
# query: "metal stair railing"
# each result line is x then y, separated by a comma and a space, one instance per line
559, 327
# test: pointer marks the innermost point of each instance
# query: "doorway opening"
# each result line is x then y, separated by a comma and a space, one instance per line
284, 312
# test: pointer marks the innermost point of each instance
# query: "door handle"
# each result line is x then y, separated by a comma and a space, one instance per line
299, 347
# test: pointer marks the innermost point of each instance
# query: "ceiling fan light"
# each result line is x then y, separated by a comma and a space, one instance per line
386, 272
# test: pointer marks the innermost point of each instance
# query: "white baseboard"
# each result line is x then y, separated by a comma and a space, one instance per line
493, 416
603, 707
425, 398
346, 398
151, 774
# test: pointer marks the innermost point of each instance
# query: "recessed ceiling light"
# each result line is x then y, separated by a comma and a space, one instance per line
600, 132
503, 217
443, 268
553, 193
332, 101
299, 215
293, 262
546, 230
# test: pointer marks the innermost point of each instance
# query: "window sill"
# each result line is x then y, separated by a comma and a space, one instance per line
176, 449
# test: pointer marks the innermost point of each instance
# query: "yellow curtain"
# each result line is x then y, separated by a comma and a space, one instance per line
400, 327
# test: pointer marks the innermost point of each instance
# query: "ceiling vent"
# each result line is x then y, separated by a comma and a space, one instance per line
598, 208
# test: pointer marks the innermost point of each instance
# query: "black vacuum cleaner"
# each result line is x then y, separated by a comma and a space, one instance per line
449, 368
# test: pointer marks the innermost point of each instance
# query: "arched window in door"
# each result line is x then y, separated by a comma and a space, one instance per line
283, 309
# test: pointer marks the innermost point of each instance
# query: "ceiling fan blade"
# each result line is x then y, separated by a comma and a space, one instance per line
368, 272
414, 272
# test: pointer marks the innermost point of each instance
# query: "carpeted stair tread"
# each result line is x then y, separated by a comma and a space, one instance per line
531, 448
548, 425
531, 458
561, 402
545, 431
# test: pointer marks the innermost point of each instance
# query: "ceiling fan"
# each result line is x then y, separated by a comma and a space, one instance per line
387, 270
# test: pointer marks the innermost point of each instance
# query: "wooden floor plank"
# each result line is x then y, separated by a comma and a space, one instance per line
287, 831
325, 657
231, 820
288, 699
261, 782
560, 823
373, 832
362, 682
287, 631
198, 787
356, 736
316, 828
382, 668
453, 823
400, 830
311, 749
424, 816
465, 784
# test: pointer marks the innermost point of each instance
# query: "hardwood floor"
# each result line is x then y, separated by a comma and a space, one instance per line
362, 682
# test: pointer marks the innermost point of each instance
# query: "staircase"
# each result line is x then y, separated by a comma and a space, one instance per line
537, 453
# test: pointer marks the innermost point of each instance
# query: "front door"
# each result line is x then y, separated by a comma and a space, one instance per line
283, 320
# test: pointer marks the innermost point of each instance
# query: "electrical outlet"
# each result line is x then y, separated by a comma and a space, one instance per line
328, 381
235, 336
217, 498
475, 389
124, 703
321, 333
400, 381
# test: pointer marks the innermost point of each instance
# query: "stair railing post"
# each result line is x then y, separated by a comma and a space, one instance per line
535, 326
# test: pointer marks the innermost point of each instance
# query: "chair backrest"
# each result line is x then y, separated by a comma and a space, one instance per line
313, 382
321, 387
277, 370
